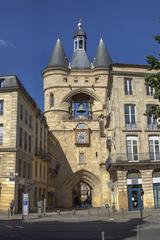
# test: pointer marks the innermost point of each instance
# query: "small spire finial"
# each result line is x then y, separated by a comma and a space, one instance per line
80, 24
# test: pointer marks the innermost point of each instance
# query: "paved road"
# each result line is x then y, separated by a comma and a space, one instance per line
86, 230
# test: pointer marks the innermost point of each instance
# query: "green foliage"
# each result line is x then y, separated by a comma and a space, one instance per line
153, 80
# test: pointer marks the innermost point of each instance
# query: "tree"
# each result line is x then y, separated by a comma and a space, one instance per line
153, 80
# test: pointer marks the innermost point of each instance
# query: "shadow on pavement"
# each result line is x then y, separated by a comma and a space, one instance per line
18, 230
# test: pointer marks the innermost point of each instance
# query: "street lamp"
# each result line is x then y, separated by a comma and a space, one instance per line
141, 207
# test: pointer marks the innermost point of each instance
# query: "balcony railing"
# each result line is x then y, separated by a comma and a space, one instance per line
131, 126
42, 154
140, 157
152, 126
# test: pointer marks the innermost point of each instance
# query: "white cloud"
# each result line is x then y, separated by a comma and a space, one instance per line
5, 43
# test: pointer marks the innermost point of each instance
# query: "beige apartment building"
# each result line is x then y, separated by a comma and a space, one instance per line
109, 150
134, 138
24, 136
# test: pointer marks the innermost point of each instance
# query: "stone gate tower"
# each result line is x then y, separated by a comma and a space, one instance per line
75, 108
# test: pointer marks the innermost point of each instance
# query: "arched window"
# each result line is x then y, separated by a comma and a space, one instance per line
81, 106
51, 100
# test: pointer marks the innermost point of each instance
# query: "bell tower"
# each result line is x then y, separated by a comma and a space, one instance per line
75, 100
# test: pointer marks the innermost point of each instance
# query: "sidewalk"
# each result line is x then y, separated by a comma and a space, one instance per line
153, 215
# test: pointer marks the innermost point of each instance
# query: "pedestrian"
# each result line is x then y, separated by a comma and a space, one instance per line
12, 205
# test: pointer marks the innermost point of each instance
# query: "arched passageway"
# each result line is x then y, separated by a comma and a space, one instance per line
83, 188
82, 195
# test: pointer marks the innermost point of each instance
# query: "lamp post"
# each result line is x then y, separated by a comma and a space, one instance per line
141, 205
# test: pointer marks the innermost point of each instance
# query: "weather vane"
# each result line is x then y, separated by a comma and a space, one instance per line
80, 24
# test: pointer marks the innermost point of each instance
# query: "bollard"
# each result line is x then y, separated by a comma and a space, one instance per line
74, 212
122, 212
8, 213
138, 232
58, 212
103, 236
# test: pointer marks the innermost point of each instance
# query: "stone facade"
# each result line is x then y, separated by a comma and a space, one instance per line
64, 129
24, 137
143, 157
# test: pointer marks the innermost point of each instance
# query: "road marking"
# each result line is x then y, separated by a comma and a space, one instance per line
8, 226
19, 227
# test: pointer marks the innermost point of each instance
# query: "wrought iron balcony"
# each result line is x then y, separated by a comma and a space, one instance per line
42, 154
131, 126
124, 158
152, 126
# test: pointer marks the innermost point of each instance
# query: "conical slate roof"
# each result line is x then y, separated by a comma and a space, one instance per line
80, 60
103, 58
58, 56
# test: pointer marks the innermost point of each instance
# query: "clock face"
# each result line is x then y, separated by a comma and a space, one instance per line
82, 137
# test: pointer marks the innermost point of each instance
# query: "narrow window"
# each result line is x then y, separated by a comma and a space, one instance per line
21, 112
36, 145
130, 116
80, 43
151, 120
128, 86
132, 148
2, 83
20, 137
36, 127
29, 171
44, 172
75, 44
154, 147
30, 121
1, 107
26, 117
25, 141
24, 169
19, 168
36, 168
41, 132
150, 91
29, 145
51, 100
1, 133
40, 170
81, 158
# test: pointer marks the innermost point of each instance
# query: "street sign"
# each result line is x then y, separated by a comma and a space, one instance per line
25, 204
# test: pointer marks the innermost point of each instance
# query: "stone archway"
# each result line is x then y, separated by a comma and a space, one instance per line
65, 197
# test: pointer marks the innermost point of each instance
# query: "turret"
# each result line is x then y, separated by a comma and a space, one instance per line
58, 57
80, 59
103, 59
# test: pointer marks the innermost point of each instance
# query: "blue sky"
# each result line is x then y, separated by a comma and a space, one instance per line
29, 29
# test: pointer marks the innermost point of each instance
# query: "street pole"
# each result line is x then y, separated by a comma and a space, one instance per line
141, 209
